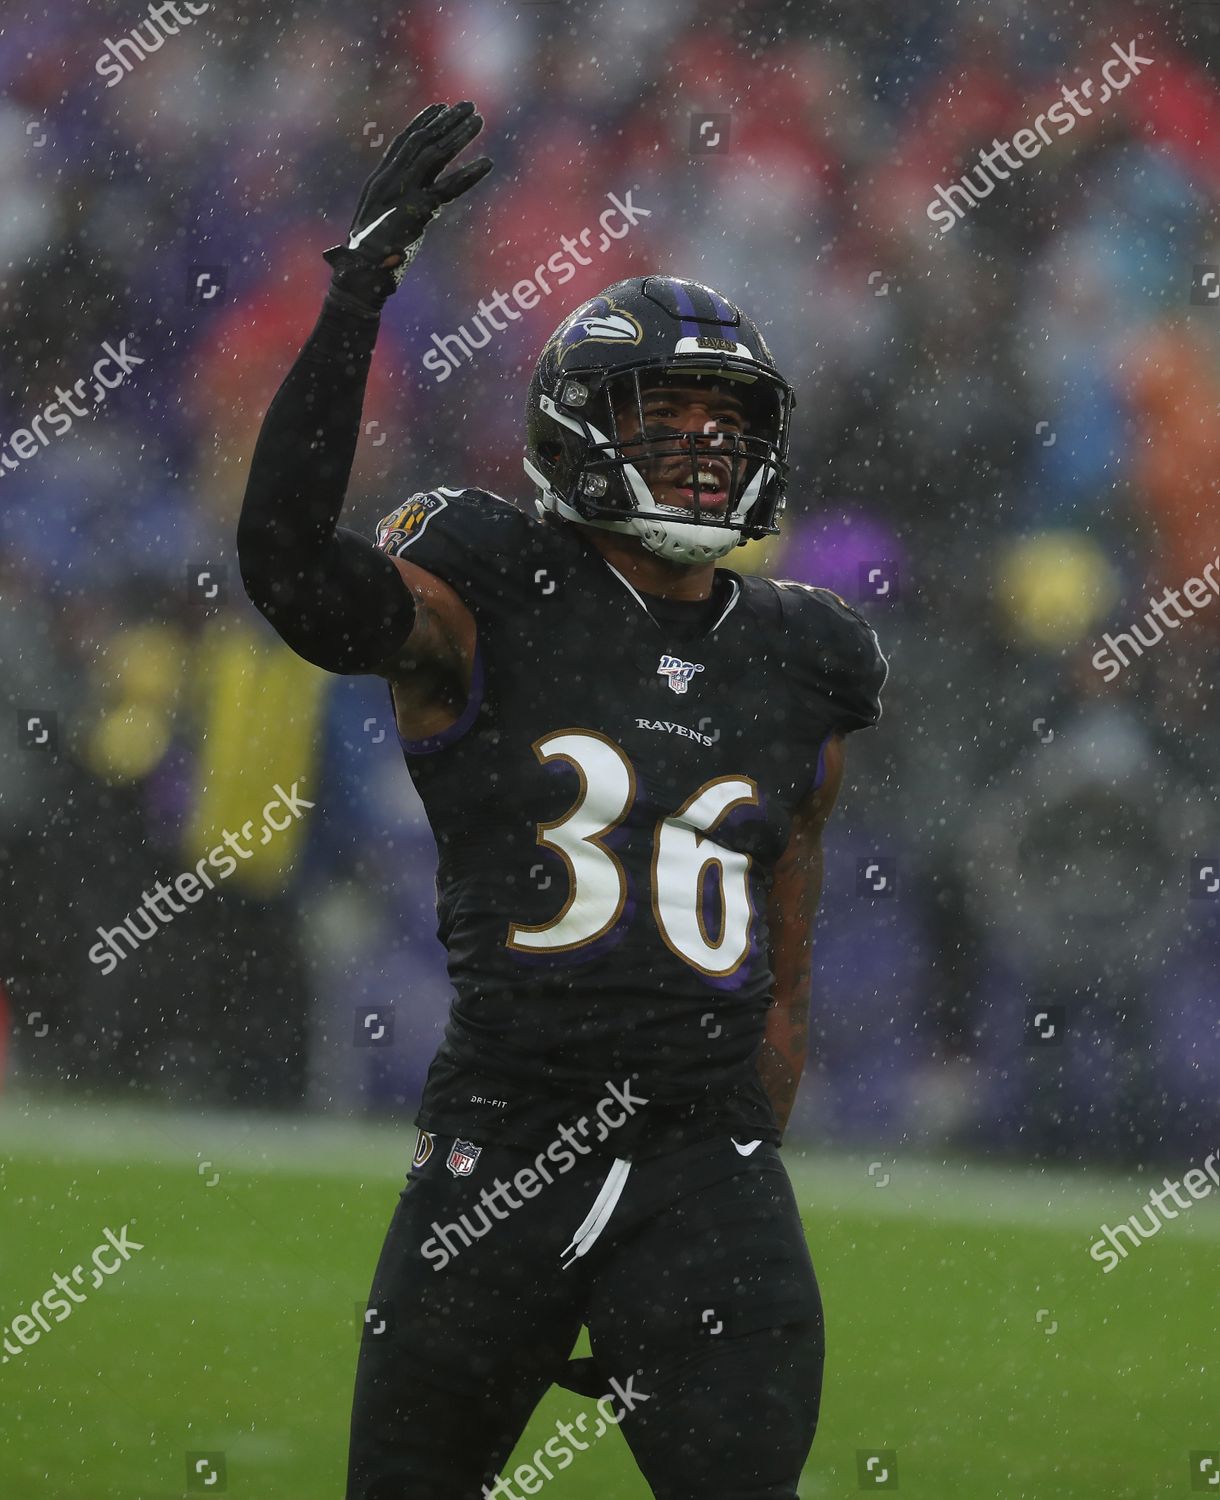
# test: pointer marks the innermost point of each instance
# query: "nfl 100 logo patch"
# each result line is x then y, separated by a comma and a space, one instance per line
678, 672
463, 1157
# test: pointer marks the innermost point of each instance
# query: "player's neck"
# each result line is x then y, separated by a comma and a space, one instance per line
649, 573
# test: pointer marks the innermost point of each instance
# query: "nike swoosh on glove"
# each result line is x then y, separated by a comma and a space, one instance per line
401, 198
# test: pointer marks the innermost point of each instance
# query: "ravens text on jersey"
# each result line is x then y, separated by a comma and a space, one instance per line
608, 822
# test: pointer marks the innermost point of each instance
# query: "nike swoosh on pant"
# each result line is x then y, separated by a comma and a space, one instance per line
747, 1148
367, 230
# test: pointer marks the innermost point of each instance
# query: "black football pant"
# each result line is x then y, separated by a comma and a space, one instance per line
692, 1274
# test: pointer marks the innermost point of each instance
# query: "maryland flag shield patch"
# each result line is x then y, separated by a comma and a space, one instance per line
401, 527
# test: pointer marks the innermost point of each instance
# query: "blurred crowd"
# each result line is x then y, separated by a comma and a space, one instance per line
1005, 443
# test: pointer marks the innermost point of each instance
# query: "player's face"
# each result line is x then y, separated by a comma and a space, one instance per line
703, 407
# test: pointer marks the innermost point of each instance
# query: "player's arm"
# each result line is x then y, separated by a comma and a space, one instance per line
332, 595
795, 892
431, 671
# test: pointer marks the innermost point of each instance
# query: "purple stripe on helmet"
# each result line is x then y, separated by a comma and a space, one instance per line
722, 309
690, 326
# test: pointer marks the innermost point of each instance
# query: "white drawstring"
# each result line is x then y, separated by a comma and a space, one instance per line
599, 1215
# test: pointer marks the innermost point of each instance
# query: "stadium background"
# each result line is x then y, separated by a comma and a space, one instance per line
1015, 422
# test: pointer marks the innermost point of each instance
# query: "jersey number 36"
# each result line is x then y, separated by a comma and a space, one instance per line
684, 854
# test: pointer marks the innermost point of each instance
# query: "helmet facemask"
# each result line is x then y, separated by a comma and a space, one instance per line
624, 454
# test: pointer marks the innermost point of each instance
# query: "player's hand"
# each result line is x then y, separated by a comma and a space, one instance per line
406, 191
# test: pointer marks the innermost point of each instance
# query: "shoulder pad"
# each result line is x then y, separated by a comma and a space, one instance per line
472, 539
832, 653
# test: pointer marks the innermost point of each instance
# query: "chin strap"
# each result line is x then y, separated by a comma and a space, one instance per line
675, 541
679, 541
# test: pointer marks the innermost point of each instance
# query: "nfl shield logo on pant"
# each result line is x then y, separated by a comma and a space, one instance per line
462, 1158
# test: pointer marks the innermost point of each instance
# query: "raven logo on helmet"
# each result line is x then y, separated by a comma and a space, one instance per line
638, 335
599, 323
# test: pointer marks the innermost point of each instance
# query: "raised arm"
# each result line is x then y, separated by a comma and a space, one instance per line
330, 594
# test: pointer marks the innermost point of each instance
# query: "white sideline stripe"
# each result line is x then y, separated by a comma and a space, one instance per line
964, 1192
312, 1145
974, 1193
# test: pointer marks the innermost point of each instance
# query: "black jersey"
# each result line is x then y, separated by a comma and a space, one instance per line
608, 812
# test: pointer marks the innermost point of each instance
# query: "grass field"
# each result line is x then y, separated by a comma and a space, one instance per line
234, 1329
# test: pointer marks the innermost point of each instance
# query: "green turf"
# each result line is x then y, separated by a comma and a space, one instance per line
234, 1329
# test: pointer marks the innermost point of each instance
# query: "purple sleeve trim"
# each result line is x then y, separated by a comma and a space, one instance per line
820, 775
461, 724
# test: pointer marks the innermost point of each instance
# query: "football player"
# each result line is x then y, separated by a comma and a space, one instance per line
627, 756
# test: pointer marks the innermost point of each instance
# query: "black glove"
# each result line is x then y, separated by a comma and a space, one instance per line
401, 198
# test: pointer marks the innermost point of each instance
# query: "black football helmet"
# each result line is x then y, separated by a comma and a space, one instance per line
604, 355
